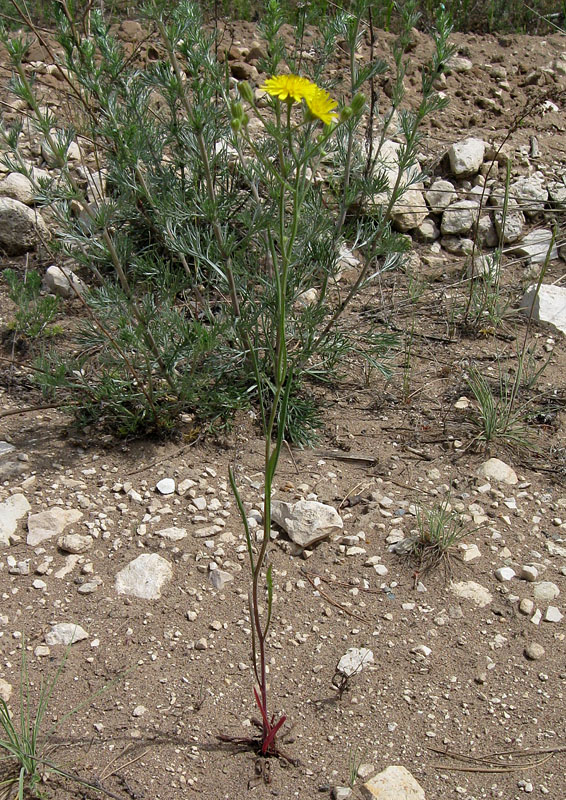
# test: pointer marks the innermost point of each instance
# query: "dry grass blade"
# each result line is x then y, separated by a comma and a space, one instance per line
332, 601
112, 768
340, 583
517, 760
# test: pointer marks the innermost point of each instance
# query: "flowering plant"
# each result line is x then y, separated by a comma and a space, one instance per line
279, 157
287, 176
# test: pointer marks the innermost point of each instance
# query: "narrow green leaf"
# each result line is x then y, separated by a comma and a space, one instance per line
243, 516
269, 582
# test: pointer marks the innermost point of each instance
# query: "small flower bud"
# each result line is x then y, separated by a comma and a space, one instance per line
346, 113
246, 92
236, 109
358, 102
236, 124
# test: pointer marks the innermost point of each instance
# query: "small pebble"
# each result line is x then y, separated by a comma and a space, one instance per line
166, 486
553, 614
537, 616
534, 651
526, 606
545, 591
504, 574
528, 573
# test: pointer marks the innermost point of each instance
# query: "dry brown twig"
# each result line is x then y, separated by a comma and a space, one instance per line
331, 600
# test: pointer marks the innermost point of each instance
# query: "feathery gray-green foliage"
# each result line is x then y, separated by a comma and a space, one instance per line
169, 223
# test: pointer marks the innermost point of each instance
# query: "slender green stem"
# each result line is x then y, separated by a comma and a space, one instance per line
519, 375
350, 144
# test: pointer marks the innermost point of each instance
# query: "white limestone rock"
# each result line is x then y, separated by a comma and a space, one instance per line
341, 792
535, 246
63, 282
469, 552
346, 259
530, 193
528, 573
65, 633
486, 231
52, 160
555, 549
387, 163
306, 521
354, 660
504, 574
410, 210
96, 183
427, 231
496, 470
166, 486
75, 543
549, 305
21, 228
218, 578
534, 651
457, 245
466, 156
458, 63
484, 267
144, 577
546, 591
11, 510
394, 783
173, 534
184, 486
553, 614
50, 523
307, 298
440, 195
18, 187
5, 690
470, 590
459, 218
511, 224
557, 194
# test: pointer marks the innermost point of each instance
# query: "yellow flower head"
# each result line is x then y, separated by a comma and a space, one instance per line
321, 105
294, 88
289, 87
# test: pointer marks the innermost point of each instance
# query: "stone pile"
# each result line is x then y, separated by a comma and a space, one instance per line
459, 213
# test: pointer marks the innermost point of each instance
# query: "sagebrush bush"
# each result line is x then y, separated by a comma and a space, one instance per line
169, 217
34, 311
